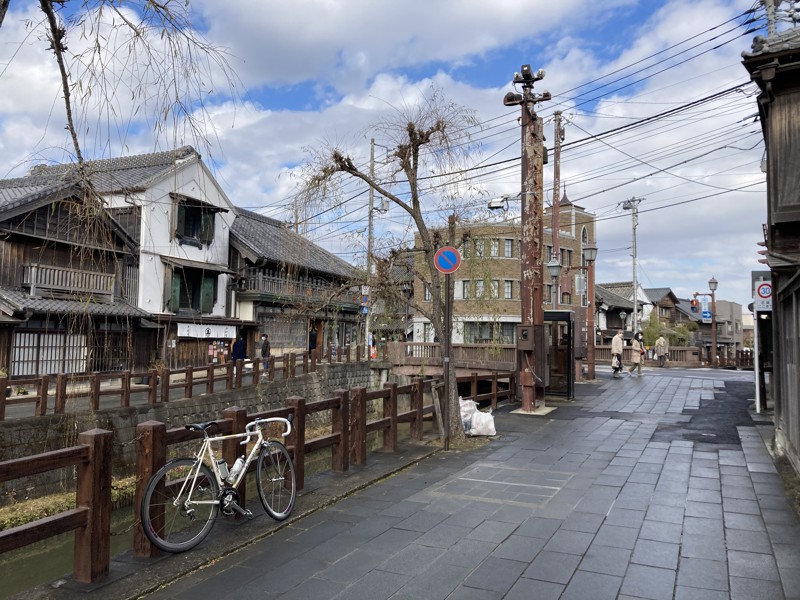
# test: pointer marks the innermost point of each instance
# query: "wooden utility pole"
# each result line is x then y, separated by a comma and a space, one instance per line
531, 369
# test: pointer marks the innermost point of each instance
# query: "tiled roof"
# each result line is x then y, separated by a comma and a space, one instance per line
656, 294
270, 239
23, 191
611, 298
24, 302
122, 173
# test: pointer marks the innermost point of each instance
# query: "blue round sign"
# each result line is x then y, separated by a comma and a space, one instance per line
447, 259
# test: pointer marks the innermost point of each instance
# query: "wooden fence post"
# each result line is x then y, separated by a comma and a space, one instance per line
390, 410
358, 426
416, 406
231, 449
210, 372
188, 382
313, 354
257, 362
92, 554
151, 455
125, 394
229, 375
3, 391
94, 391
473, 386
152, 379
166, 375
44, 387
340, 423
494, 390
292, 366
298, 436
61, 394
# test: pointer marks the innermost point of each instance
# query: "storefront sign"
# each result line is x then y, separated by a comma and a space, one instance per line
216, 332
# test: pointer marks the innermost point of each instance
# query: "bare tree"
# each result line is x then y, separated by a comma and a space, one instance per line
429, 143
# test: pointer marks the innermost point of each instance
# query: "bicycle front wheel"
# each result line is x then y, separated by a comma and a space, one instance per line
178, 510
277, 486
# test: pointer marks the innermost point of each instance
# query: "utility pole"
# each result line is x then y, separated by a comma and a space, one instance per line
368, 318
555, 222
633, 206
531, 371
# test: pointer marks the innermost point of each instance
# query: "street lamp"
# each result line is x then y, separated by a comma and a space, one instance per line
622, 315
590, 255
554, 268
712, 285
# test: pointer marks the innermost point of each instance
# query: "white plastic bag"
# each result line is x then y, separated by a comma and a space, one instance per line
468, 408
482, 424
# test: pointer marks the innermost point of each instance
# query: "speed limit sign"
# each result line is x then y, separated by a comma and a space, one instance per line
763, 299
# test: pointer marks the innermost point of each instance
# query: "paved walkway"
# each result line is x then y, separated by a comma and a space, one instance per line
618, 495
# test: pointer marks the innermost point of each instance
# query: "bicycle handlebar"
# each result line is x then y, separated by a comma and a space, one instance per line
258, 422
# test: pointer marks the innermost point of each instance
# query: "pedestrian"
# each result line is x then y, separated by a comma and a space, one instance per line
266, 351
617, 344
312, 339
637, 354
238, 352
662, 348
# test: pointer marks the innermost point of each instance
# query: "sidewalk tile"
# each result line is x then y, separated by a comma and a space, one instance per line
592, 585
649, 582
703, 573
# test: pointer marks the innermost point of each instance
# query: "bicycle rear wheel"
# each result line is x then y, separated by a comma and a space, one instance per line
171, 519
277, 486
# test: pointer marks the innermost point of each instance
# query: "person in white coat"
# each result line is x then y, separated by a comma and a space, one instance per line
617, 344
637, 354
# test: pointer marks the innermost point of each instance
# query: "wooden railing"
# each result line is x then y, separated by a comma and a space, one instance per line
159, 386
347, 441
91, 517
256, 281
46, 281
465, 356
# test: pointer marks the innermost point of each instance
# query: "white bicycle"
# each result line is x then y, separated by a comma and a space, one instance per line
184, 497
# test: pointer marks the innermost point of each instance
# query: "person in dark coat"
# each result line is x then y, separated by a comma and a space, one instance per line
312, 339
239, 351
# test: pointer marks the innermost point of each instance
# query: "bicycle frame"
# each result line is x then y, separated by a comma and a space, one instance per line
206, 450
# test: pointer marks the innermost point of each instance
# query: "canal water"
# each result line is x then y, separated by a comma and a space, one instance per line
51, 559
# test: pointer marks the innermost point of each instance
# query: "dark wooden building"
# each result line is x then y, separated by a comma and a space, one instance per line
774, 64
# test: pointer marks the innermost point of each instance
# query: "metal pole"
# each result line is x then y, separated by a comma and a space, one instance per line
590, 308
556, 220
713, 330
448, 332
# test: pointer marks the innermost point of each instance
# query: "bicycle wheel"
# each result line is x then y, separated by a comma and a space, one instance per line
172, 520
277, 486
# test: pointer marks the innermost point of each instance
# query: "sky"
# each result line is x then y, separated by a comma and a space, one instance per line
654, 99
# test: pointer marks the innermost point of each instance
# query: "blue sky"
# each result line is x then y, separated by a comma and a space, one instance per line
316, 72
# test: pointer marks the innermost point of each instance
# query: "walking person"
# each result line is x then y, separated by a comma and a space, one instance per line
238, 352
637, 354
617, 344
662, 348
266, 351
312, 339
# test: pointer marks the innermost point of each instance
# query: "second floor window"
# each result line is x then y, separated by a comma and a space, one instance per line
495, 289
508, 290
508, 249
427, 293
194, 221
494, 247
465, 289
479, 248
479, 288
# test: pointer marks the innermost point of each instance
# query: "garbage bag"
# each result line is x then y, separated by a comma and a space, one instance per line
482, 424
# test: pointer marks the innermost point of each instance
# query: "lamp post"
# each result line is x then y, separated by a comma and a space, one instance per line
623, 315
554, 268
712, 285
590, 255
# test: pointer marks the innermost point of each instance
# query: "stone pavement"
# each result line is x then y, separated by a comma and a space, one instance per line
658, 487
